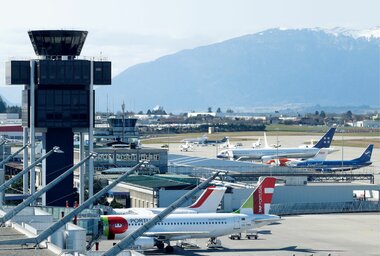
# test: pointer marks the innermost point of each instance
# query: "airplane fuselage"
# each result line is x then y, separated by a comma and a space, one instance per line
259, 154
178, 226
330, 165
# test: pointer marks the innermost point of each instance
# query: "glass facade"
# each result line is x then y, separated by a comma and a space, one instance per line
62, 108
57, 42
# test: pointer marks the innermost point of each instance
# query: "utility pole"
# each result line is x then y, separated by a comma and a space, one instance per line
123, 116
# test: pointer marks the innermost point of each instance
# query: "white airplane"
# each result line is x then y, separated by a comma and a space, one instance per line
226, 144
265, 154
252, 214
204, 141
186, 147
199, 140
207, 202
257, 144
321, 155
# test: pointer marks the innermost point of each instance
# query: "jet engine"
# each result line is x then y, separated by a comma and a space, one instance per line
144, 242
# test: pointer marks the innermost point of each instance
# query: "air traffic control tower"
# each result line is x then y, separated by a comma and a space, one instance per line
58, 100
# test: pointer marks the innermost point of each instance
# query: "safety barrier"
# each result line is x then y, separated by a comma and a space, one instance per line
318, 208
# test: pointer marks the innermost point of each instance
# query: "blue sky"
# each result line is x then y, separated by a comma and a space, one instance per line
132, 32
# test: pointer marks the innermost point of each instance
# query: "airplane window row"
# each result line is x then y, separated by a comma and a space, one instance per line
184, 223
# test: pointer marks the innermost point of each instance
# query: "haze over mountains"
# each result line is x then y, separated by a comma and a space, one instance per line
271, 68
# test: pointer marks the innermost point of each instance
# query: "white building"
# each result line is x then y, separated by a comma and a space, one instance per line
367, 124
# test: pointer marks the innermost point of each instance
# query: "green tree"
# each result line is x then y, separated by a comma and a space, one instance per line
3, 105
349, 115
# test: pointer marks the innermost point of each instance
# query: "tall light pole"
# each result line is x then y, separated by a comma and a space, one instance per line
123, 113
278, 161
342, 149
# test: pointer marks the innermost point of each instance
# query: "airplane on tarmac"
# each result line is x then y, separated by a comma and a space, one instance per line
265, 154
251, 214
199, 140
321, 156
257, 144
186, 147
335, 165
208, 201
204, 141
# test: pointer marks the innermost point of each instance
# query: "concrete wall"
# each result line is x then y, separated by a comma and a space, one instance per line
166, 197
325, 193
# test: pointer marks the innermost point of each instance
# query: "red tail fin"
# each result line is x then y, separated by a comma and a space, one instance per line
262, 196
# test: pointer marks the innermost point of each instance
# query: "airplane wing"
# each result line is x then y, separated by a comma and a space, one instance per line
178, 235
265, 220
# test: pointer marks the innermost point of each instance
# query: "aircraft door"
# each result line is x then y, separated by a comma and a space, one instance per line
237, 223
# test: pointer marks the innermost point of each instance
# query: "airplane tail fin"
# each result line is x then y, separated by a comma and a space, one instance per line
209, 200
366, 156
256, 144
266, 141
261, 198
326, 140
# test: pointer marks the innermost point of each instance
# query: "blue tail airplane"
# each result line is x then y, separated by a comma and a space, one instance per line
336, 165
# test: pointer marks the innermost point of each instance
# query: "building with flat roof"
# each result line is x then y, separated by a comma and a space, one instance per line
111, 157
146, 191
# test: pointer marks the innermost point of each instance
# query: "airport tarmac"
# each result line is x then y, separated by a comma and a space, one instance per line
322, 234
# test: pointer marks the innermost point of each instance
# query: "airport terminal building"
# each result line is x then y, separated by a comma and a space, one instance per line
111, 157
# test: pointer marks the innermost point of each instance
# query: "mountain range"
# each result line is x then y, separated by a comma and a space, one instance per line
271, 68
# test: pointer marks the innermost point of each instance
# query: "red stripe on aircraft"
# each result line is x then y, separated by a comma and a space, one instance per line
202, 199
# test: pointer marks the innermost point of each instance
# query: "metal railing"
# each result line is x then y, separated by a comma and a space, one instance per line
318, 208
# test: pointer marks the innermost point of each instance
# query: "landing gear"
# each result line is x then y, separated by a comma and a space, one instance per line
235, 236
160, 245
252, 236
169, 249
214, 243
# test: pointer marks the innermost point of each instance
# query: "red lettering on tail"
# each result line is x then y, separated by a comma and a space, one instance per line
263, 195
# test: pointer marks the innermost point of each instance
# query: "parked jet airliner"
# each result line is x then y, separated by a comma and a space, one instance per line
201, 225
266, 154
204, 141
335, 165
